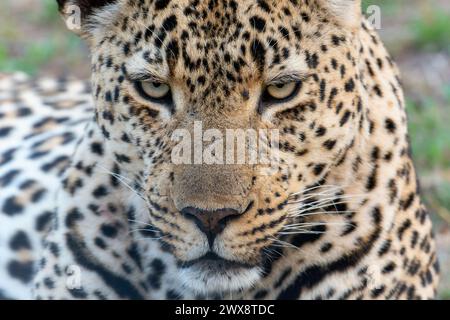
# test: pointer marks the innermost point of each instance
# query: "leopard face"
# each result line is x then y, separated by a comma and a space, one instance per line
281, 66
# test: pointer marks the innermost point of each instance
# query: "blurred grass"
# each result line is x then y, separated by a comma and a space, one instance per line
432, 31
30, 59
428, 125
417, 32
33, 39
388, 6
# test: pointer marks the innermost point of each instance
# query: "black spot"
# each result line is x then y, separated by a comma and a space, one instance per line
105, 132
401, 230
173, 50
49, 283
161, 4
78, 293
321, 131
318, 168
389, 268
5, 131
126, 48
322, 90
170, 23
350, 85
345, 118
109, 231
305, 17
158, 270
54, 163
99, 242
375, 293
72, 217
20, 241
329, 144
337, 40
100, 191
43, 221
378, 91
408, 202
38, 195
54, 248
97, 148
6, 179
384, 248
390, 125
259, 54
349, 228
263, 5
23, 271
108, 98
134, 254
125, 138
23, 112
312, 60
11, 207
326, 247
258, 23
121, 158
201, 80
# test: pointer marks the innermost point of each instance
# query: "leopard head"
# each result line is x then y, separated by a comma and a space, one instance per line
184, 88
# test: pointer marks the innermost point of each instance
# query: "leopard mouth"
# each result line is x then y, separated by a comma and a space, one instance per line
214, 262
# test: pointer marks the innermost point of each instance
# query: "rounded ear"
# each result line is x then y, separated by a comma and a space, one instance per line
347, 12
84, 16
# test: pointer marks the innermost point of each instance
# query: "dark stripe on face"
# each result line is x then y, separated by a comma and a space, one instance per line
315, 274
122, 287
258, 53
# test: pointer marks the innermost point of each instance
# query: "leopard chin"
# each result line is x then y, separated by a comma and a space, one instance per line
216, 278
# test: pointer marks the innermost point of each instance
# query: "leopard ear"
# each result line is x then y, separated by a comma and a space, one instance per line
85, 16
348, 12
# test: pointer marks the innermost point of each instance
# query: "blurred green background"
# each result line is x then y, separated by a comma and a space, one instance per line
33, 39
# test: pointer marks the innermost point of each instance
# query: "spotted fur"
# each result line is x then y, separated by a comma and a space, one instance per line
340, 218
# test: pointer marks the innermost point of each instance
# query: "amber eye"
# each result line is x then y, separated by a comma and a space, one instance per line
282, 91
154, 91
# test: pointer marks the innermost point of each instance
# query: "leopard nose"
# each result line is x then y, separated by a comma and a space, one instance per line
210, 222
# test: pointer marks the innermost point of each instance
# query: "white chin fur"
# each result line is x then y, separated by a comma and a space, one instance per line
205, 282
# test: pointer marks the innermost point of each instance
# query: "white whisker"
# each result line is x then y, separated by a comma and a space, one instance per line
121, 180
312, 224
147, 239
142, 229
141, 222
317, 213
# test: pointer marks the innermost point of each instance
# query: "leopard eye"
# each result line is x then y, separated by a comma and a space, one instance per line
153, 90
281, 91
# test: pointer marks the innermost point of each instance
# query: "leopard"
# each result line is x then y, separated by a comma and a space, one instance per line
96, 203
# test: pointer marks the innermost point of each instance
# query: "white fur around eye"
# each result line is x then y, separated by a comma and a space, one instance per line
281, 91
154, 89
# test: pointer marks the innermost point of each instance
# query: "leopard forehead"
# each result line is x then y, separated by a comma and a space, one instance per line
213, 42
